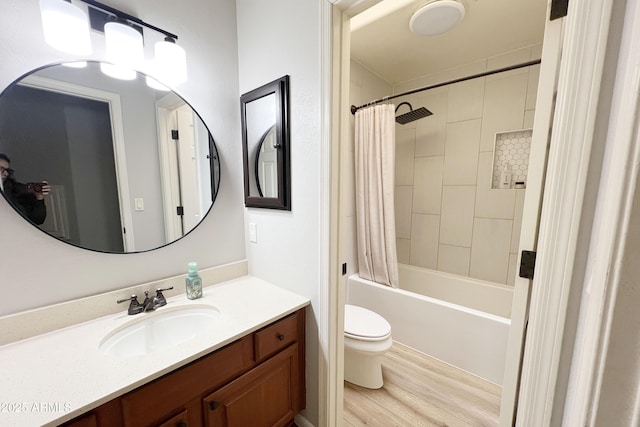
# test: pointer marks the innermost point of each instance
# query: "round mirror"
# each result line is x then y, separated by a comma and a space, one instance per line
105, 164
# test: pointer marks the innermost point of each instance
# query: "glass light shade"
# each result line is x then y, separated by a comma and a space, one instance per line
123, 47
65, 27
170, 64
117, 71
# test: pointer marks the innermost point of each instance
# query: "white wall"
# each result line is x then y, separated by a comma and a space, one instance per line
207, 31
276, 38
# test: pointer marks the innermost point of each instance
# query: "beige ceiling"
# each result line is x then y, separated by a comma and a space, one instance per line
382, 41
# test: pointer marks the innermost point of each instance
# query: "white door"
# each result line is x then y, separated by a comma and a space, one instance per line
188, 169
531, 214
267, 165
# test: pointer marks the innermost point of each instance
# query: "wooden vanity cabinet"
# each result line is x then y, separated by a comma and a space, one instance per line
109, 414
265, 396
255, 381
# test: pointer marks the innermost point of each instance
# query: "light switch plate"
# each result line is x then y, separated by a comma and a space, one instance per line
139, 202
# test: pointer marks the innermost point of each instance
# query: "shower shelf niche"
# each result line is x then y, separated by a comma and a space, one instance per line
511, 149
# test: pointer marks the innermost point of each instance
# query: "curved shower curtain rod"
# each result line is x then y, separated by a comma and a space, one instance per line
461, 79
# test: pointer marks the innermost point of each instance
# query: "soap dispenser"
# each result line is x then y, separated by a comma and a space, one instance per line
193, 282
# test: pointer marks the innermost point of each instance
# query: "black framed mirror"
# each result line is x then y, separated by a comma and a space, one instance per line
265, 146
131, 167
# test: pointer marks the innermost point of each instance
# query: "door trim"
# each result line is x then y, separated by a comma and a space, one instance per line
598, 393
544, 111
557, 261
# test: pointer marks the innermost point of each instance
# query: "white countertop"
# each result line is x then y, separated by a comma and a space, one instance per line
51, 378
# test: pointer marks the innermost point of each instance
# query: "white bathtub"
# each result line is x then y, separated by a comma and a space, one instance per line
459, 320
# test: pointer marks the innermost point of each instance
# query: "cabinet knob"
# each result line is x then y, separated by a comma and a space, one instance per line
181, 424
213, 405
280, 337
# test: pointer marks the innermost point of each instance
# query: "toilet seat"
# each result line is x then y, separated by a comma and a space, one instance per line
365, 325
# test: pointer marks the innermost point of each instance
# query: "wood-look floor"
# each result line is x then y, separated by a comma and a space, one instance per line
421, 391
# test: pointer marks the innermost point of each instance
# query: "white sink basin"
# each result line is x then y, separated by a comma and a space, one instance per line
159, 330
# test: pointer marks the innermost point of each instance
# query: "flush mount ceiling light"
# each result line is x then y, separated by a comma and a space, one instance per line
437, 17
65, 27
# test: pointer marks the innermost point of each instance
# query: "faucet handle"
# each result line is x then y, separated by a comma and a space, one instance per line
133, 297
134, 307
161, 300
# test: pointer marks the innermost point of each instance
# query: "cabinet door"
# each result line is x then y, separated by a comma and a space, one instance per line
152, 403
266, 396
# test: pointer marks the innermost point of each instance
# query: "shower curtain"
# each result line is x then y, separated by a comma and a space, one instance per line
375, 144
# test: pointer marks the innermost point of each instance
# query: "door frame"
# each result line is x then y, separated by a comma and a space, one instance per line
165, 106
558, 265
584, 227
117, 132
544, 113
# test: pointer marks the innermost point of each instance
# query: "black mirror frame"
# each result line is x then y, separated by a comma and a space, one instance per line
280, 88
213, 157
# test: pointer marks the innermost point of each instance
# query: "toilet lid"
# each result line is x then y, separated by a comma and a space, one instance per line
362, 323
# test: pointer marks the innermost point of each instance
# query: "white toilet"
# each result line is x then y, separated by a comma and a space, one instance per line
367, 336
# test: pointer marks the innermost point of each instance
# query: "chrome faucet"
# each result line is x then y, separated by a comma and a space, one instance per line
149, 303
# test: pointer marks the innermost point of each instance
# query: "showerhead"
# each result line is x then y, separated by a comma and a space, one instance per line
412, 115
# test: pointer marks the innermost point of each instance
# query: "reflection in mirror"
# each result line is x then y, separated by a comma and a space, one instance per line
266, 170
265, 145
261, 114
129, 168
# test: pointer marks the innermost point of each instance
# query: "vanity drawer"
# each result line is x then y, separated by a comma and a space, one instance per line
173, 391
275, 337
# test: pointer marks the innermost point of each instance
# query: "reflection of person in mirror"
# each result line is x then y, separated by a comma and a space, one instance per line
26, 198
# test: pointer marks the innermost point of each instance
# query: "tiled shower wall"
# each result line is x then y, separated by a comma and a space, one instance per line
447, 216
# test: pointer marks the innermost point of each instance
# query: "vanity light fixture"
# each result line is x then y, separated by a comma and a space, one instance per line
65, 27
124, 50
123, 41
170, 62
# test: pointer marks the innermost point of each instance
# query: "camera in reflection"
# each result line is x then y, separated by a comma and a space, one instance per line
35, 187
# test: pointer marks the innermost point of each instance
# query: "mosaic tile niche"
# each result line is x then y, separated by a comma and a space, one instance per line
511, 149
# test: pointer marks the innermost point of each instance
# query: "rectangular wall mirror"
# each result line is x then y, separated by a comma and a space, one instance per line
265, 145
